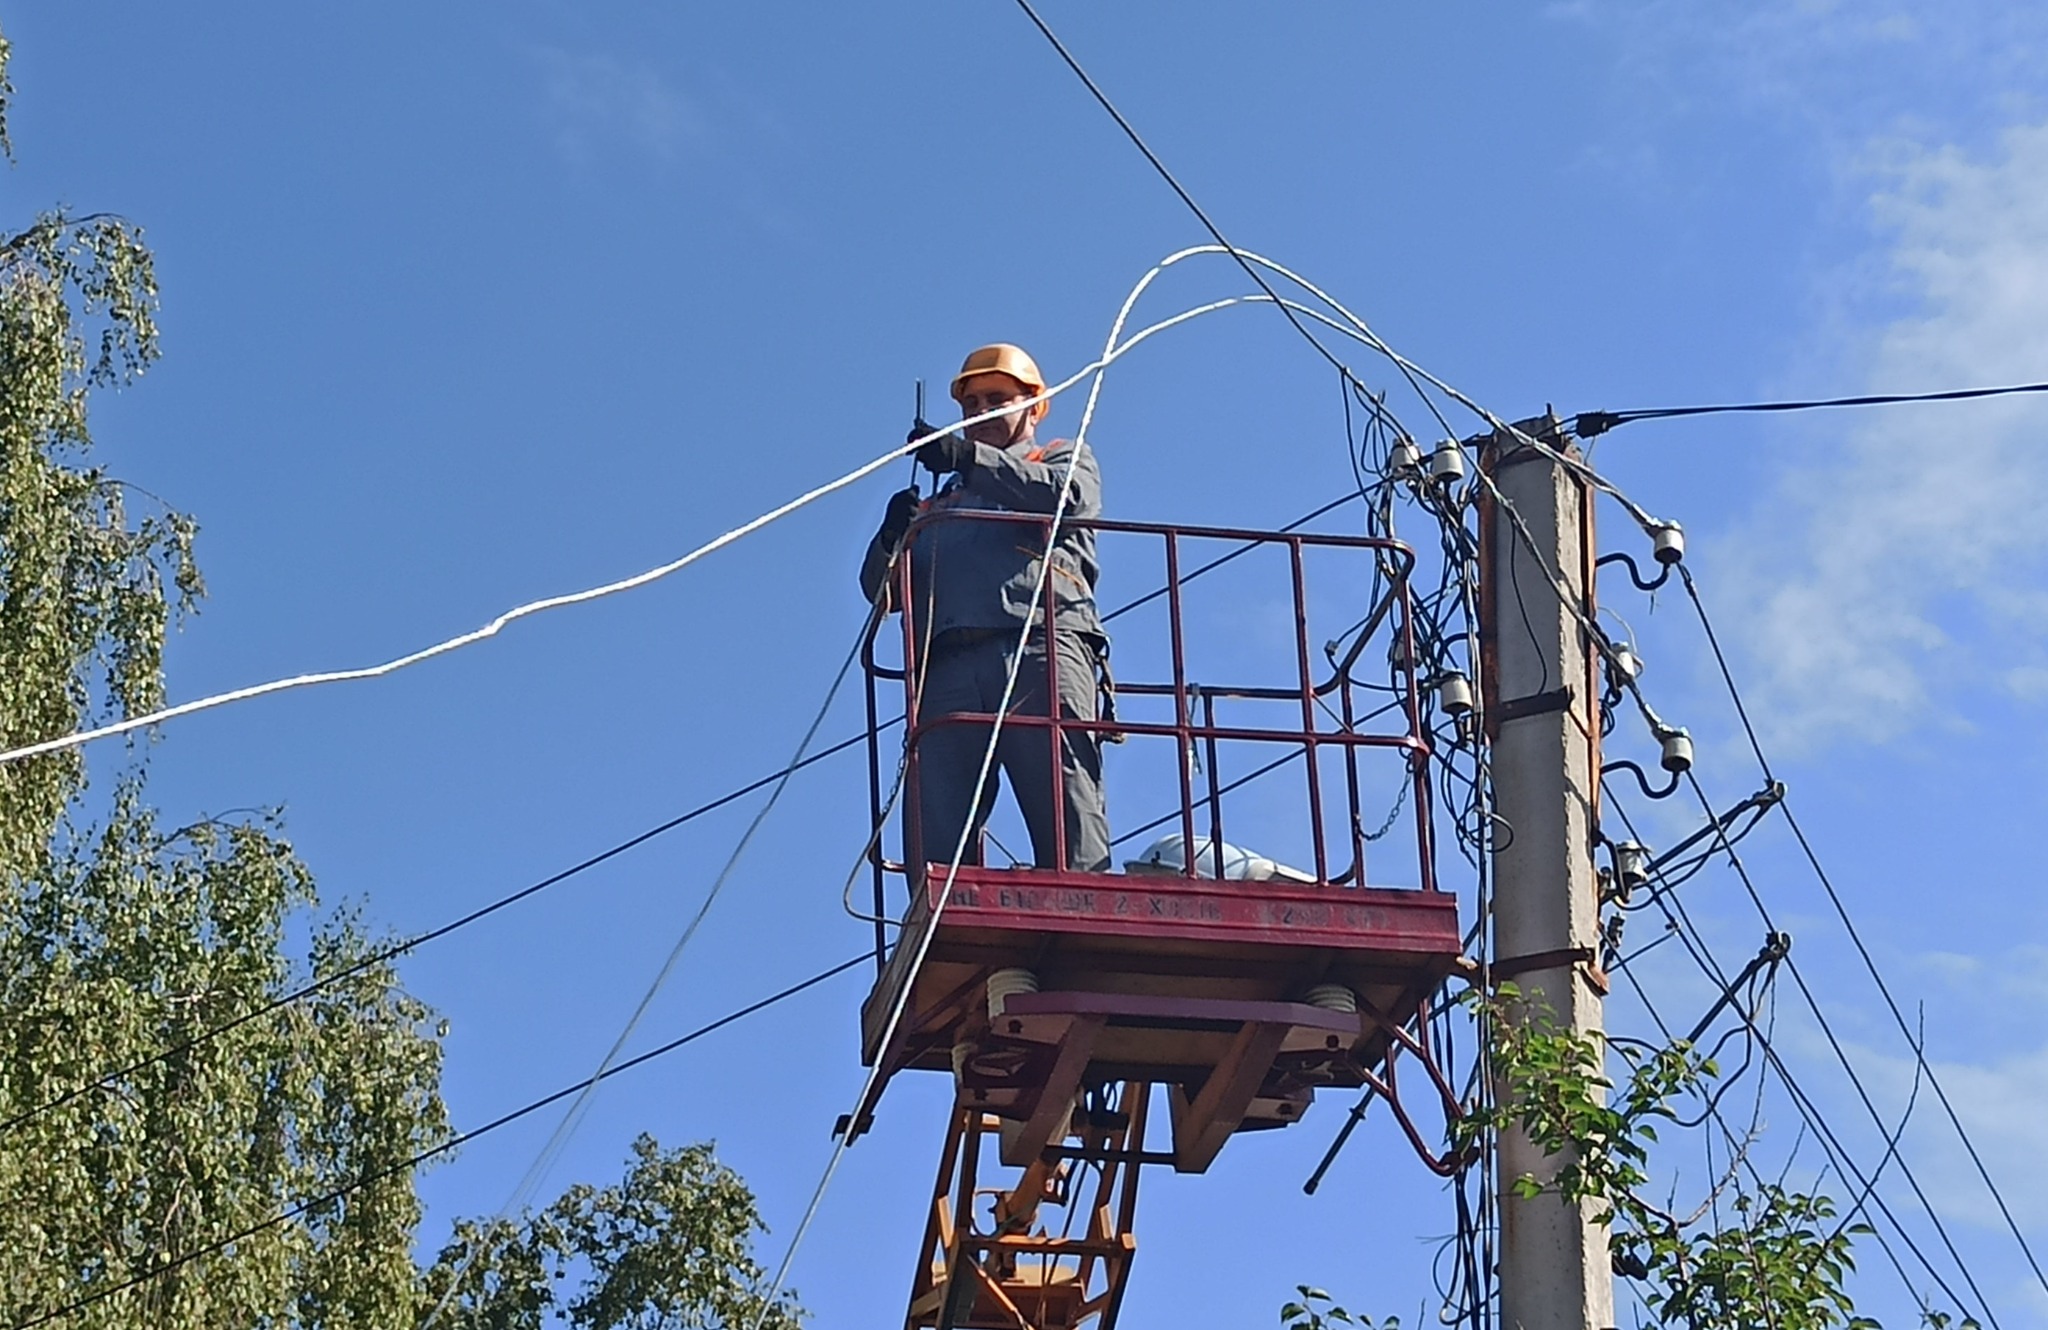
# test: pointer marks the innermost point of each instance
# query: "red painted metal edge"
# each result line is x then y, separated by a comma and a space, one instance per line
1348, 918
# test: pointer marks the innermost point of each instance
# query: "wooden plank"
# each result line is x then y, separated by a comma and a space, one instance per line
1202, 1126
1056, 1097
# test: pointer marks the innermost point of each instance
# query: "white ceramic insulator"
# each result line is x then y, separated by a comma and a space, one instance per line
1332, 997
1677, 751
1447, 463
1005, 982
1668, 543
1631, 865
1454, 692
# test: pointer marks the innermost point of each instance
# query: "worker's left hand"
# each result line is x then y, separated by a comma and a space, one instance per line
948, 452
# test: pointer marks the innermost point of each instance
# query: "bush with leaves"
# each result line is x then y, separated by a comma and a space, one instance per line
1316, 1310
1782, 1258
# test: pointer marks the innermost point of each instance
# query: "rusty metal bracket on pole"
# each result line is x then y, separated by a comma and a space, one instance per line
1586, 959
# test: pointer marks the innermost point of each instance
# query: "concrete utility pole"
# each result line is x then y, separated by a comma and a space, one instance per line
1540, 695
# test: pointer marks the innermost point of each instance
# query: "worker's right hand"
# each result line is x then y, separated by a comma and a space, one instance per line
920, 428
902, 511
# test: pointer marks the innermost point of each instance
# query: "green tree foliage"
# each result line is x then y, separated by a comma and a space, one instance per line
1315, 1309
126, 947
666, 1249
119, 939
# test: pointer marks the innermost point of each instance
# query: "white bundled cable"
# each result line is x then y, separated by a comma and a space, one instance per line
491, 629
1357, 329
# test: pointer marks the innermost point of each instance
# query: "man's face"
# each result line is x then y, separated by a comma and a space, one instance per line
987, 392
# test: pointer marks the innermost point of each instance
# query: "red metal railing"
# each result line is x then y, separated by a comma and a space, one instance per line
1335, 697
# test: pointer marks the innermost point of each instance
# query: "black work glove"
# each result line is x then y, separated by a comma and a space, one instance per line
902, 511
948, 452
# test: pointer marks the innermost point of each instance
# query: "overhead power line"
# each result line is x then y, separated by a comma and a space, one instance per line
1592, 424
1695, 945
375, 1175
1855, 936
1735, 1139
397, 949
1138, 141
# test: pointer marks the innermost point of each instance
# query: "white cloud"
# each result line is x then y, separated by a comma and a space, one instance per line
1842, 67
1870, 571
594, 101
1998, 1103
2028, 682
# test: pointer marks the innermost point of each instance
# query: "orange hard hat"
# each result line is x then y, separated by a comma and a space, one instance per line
1000, 358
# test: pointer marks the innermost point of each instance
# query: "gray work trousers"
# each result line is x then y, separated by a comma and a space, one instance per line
969, 677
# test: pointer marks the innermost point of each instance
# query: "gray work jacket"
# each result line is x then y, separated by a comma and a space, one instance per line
980, 574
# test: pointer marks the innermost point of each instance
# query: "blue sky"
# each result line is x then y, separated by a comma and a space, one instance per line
466, 305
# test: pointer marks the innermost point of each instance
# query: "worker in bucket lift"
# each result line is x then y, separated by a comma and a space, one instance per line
971, 585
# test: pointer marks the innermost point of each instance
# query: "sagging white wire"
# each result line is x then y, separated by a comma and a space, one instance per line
491, 629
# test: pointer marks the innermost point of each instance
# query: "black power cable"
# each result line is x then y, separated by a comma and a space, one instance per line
1735, 1144
1132, 134
374, 1175
1855, 937
1592, 424
398, 949
1221, 559
1694, 943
